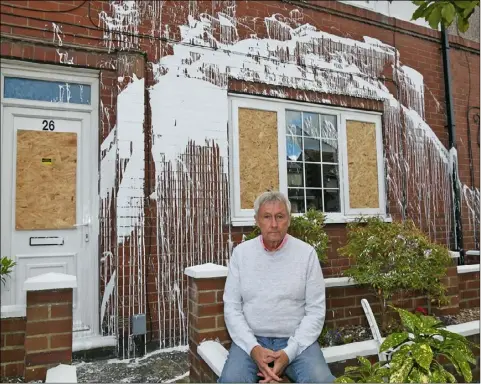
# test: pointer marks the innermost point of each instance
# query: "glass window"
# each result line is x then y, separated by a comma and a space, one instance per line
42, 90
312, 161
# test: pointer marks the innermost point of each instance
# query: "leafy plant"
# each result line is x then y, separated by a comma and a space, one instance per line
390, 257
417, 351
445, 12
364, 373
6, 268
308, 228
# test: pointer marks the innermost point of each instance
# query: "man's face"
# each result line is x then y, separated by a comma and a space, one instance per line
273, 220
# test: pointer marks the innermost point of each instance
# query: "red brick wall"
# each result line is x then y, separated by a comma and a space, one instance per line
28, 34
206, 316
43, 339
469, 290
12, 350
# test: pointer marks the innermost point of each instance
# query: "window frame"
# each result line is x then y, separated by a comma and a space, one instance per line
245, 217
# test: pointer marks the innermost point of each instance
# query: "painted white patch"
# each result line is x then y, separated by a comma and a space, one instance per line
57, 32
122, 27
180, 377
130, 142
133, 362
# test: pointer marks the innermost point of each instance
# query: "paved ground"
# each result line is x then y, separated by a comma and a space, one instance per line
156, 367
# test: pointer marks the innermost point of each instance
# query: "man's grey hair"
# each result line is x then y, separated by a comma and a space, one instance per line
267, 197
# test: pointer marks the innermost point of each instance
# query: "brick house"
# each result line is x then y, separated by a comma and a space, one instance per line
136, 135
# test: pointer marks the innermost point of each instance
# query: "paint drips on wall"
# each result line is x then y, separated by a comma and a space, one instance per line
189, 104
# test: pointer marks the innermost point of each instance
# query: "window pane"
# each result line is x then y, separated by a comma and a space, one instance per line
294, 148
42, 90
310, 125
331, 201
329, 127
295, 175
312, 149
313, 175
314, 199
294, 123
329, 151
331, 176
296, 197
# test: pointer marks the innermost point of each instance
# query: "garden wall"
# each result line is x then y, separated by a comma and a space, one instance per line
42, 339
206, 311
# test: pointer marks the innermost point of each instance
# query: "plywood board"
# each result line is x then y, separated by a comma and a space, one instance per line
258, 154
362, 164
46, 180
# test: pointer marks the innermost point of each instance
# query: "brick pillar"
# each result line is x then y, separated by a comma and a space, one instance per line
48, 333
206, 315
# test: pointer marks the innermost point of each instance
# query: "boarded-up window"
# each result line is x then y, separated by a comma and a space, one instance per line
46, 179
258, 154
362, 164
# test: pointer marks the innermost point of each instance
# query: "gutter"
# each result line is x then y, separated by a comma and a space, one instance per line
451, 125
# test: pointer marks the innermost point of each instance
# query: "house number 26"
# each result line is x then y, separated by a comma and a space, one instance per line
48, 125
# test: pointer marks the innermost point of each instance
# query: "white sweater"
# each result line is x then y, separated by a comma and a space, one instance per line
275, 294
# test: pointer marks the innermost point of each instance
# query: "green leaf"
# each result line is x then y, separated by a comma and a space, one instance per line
466, 370
448, 13
344, 379
437, 376
435, 17
420, 11
375, 379
463, 24
419, 2
409, 320
423, 355
393, 340
399, 356
400, 375
416, 376
351, 369
365, 363
464, 3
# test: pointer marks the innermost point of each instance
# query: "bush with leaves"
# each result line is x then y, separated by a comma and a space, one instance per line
416, 354
445, 12
308, 228
392, 257
6, 268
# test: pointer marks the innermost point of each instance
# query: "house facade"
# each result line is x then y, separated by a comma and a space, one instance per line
137, 134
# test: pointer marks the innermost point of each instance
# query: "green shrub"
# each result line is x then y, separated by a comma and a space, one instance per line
308, 228
416, 355
6, 268
390, 257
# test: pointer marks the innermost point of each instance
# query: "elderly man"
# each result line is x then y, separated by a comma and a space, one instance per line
274, 303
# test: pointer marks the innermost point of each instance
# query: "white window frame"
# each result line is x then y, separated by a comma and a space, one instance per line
245, 217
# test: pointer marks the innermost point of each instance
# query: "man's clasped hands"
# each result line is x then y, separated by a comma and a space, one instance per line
263, 357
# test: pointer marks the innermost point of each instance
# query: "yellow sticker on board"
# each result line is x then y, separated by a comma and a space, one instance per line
46, 161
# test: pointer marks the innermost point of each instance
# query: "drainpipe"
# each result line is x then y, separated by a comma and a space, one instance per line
457, 225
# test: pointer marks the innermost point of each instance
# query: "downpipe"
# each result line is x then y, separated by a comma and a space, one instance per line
457, 228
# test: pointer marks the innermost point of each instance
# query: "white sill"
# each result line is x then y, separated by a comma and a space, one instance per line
249, 222
9, 311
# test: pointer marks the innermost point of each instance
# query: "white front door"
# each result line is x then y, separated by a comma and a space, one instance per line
50, 198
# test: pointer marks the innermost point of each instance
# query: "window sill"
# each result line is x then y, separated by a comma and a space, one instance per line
338, 219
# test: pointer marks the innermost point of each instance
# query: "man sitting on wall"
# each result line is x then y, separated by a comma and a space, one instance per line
274, 303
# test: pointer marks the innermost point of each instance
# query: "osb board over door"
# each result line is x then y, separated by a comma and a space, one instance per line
258, 154
46, 180
362, 164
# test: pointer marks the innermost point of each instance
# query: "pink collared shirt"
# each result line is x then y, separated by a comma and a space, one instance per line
284, 240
